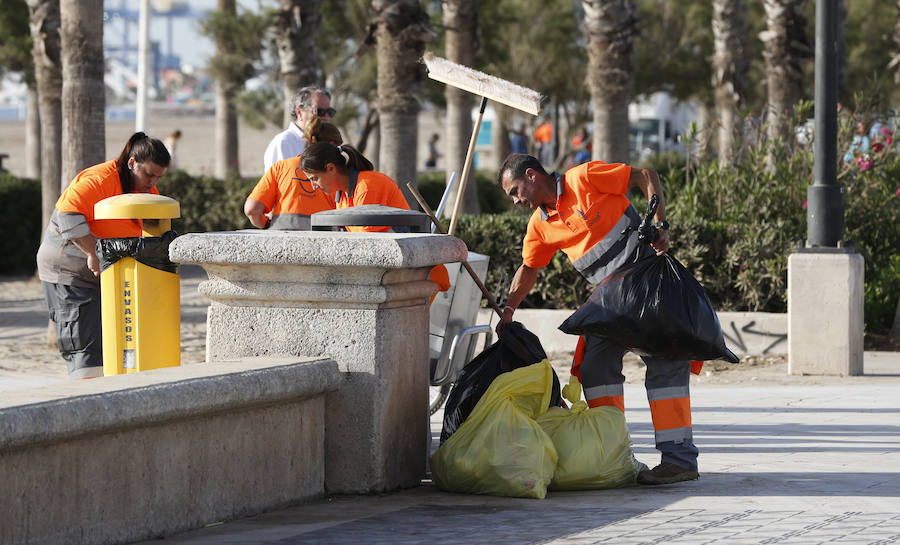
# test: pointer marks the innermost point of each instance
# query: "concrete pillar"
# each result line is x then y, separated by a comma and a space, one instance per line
825, 312
360, 298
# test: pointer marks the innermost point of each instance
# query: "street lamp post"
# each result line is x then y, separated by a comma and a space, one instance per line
825, 198
825, 276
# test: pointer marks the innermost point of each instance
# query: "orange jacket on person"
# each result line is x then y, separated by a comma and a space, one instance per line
91, 186
591, 211
371, 187
289, 196
544, 133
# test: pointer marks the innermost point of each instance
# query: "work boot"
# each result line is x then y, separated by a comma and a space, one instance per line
666, 473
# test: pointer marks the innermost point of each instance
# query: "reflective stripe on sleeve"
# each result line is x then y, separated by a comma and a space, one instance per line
71, 225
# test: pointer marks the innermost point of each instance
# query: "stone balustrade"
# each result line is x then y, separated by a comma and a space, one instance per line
357, 298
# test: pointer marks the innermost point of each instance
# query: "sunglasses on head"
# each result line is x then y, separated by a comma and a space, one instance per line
322, 112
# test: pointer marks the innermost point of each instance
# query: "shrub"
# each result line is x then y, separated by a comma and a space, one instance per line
20, 223
490, 196
207, 203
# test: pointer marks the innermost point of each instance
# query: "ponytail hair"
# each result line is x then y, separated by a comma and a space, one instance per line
322, 131
141, 148
317, 155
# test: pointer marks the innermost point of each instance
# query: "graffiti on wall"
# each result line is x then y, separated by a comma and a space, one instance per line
737, 341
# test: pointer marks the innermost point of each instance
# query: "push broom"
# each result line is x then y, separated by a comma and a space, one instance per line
487, 87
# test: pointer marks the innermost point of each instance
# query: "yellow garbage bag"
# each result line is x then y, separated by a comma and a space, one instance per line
499, 449
593, 445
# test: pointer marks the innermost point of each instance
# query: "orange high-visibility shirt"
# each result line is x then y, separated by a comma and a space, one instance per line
284, 189
591, 202
544, 133
91, 186
371, 188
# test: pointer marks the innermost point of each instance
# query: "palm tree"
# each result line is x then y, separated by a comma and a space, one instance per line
295, 28
83, 90
226, 164
238, 46
400, 30
729, 71
785, 48
460, 19
43, 17
610, 26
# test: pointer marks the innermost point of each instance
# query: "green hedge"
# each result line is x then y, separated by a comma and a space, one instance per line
20, 223
207, 203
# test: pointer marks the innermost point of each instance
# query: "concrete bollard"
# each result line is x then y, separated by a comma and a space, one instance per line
361, 299
825, 312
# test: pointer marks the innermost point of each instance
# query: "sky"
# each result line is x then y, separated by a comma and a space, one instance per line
186, 39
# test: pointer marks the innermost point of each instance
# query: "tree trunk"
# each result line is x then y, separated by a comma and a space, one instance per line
296, 26
401, 31
610, 26
226, 112
44, 22
83, 91
729, 71
33, 136
785, 48
460, 18
894, 65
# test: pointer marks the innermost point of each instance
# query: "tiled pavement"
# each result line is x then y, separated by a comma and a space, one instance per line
779, 464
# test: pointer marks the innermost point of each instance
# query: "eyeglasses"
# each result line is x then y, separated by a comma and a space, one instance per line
322, 112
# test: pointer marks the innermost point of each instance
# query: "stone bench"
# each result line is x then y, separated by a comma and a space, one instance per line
131, 457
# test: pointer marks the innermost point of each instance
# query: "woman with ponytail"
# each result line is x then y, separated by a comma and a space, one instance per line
343, 173
284, 194
68, 264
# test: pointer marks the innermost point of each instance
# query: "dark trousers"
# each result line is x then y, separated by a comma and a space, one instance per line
75, 312
599, 364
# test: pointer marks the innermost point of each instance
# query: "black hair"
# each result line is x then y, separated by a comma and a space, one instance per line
516, 164
317, 155
141, 148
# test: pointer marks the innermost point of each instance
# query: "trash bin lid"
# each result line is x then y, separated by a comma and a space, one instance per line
137, 206
371, 215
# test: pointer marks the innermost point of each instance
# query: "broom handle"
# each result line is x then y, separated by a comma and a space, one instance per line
466, 167
440, 228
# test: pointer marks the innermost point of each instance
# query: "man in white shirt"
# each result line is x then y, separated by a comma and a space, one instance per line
306, 103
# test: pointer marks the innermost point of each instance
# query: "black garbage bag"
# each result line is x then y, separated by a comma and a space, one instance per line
151, 251
516, 347
654, 307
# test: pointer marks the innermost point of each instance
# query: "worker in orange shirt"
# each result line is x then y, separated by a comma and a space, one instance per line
344, 173
543, 140
285, 194
67, 260
587, 215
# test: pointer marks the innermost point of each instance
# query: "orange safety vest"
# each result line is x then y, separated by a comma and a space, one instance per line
544, 133
286, 192
371, 187
590, 223
91, 186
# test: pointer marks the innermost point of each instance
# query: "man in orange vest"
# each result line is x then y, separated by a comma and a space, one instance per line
586, 214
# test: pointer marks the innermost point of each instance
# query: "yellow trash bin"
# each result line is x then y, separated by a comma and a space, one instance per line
140, 302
